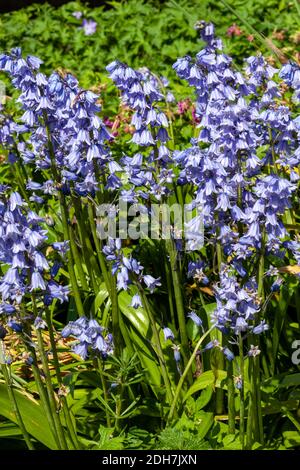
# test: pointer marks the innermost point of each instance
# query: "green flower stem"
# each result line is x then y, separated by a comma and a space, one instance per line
118, 412
242, 393
258, 400
231, 395
104, 388
97, 243
21, 185
65, 222
219, 255
259, 435
185, 373
50, 391
251, 408
44, 397
265, 367
118, 326
178, 193
169, 111
31, 348
158, 347
170, 293
67, 414
88, 252
115, 315
77, 259
71, 271
13, 400
219, 392
49, 387
177, 286
45, 403
261, 272
291, 418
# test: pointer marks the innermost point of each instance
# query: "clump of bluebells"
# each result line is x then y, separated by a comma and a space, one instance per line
22, 251
91, 338
240, 167
127, 268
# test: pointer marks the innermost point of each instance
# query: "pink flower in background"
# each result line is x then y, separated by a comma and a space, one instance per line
183, 106
108, 122
234, 30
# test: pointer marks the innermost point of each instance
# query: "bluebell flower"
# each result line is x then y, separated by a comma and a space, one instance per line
151, 282
253, 351
168, 333
228, 354
123, 280
238, 382
57, 291
39, 323
89, 27
37, 281
58, 105
81, 349
177, 355
194, 317
260, 328
142, 92
7, 309
3, 332
290, 73
15, 326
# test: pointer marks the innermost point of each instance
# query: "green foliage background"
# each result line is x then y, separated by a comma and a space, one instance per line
140, 33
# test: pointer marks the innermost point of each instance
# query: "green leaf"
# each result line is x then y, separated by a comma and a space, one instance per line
280, 317
32, 414
207, 379
142, 338
204, 398
276, 406
107, 441
9, 429
280, 381
204, 422
291, 439
232, 442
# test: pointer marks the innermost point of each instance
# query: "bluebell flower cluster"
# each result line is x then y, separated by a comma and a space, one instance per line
66, 133
241, 169
196, 271
27, 270
290, 73
140, 91
243, 129
127, 269
91, 338
143, 93
238, 305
